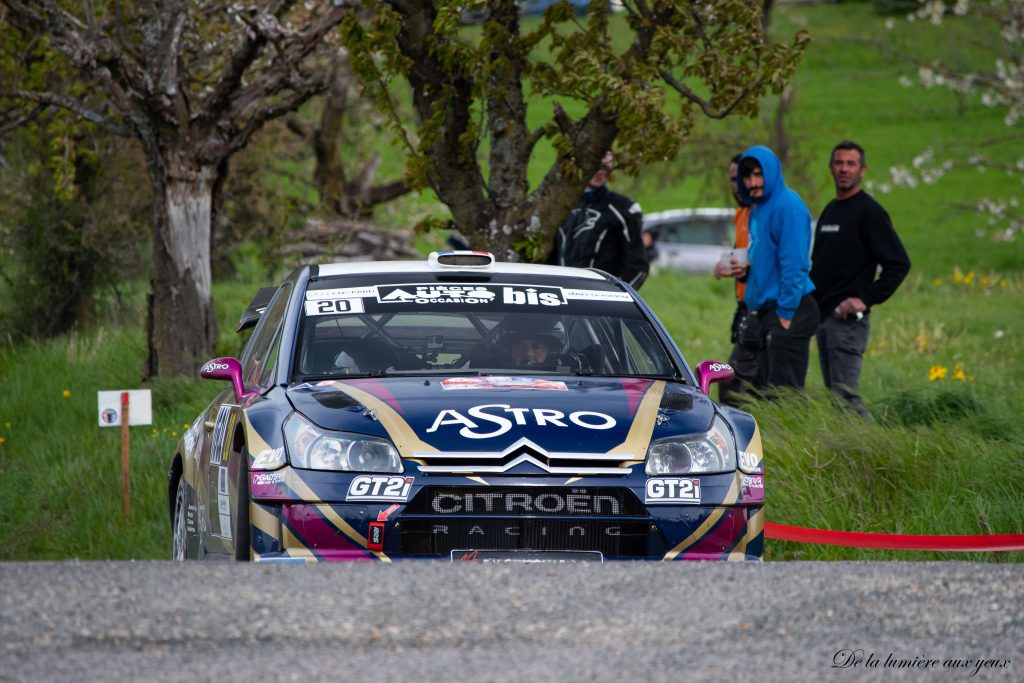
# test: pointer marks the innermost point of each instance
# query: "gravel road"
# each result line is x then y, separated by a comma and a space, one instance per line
793, 621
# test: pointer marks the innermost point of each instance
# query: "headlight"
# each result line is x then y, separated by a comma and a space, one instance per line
713, 451
313, 448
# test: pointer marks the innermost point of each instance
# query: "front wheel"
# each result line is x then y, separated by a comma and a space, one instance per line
178, 541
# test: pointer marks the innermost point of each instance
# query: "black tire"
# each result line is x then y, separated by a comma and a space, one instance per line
179, 543
241, 531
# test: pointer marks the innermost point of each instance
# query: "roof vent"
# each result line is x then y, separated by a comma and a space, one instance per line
461, 260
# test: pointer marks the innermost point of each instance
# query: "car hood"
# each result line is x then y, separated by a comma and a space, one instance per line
494, 414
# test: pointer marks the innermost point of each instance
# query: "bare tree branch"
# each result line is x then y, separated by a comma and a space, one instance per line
704, 105
72, 105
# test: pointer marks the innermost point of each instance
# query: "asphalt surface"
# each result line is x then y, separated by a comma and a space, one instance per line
160, 621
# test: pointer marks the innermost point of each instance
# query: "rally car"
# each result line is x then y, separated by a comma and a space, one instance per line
465, 410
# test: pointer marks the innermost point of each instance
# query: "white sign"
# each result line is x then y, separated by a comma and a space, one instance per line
140, 407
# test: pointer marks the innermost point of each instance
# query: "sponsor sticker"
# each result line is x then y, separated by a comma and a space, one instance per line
457, 383
672, 490
214, 366
750, 461
509, 295
380, 487
493, 417
222, 481
342, 293
752, 482
267, 478
435, 294
269, 457
220, 429
192, 434
594, 295
333, 306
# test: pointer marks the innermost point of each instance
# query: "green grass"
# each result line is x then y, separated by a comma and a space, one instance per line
943, 457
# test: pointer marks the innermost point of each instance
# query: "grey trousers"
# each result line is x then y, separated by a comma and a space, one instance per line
841, 347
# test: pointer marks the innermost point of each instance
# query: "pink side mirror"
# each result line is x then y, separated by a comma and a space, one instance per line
711, 371
225, 368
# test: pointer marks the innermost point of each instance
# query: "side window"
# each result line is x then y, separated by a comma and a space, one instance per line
261, 352
645, 352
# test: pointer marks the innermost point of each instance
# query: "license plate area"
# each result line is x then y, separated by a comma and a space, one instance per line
526, 556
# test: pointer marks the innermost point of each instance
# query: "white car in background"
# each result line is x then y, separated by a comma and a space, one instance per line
692, 240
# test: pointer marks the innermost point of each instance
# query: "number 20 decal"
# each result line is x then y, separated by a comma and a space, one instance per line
334, 306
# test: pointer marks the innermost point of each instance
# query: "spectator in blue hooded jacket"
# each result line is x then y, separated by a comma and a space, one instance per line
779, 285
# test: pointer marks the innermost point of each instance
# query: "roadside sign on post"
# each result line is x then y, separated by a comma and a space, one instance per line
123, 409
110, 407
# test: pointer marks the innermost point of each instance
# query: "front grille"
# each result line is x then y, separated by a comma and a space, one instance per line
439, 536
487, 501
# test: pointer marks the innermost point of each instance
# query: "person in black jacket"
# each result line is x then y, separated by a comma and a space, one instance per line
603, 231
853, 237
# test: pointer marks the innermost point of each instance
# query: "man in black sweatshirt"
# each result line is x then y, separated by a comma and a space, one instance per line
854, 236
603, 231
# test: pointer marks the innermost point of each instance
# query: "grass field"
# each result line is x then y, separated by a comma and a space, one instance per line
942, 374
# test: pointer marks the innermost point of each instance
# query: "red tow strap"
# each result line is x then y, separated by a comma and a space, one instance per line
857, 539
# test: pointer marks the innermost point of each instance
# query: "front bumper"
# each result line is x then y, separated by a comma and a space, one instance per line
303, 516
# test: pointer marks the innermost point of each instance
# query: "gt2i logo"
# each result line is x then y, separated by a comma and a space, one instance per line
542, 417
750, 462
333, 306
380, 487
673, 491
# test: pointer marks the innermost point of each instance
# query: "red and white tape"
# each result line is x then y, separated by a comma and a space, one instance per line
858, 539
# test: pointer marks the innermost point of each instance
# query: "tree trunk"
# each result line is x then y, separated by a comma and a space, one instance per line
182, 328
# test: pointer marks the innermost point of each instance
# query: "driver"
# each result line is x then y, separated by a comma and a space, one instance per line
533, 351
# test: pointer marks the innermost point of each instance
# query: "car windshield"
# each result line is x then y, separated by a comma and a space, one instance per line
475, 329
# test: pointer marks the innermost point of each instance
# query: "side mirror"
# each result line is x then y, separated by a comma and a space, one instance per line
711, 371
225, 368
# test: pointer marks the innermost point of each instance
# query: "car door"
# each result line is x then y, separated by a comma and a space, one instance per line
223, 463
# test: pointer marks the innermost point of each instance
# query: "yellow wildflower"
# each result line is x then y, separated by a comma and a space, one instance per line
937, 282
174, 433
7, 424
67, 393
185, 426
957, 275
958, 373
936, 372
985, 281
969, 278
2, 440
922, 342
1003, 282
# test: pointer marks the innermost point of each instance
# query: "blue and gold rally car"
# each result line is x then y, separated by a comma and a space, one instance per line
462, 409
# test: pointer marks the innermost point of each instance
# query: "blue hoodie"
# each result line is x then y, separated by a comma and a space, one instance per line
780, 241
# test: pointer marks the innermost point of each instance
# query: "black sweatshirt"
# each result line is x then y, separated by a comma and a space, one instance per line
603, 231
853, 237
